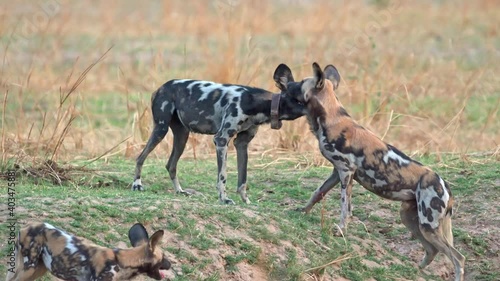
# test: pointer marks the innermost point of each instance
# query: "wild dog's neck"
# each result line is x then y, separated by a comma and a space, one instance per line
129, 257
326, 107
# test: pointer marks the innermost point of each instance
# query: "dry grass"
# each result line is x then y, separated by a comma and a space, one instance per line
421, 74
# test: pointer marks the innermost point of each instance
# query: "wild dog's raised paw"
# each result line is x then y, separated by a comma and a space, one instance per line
358, 155
41, 247
226, 111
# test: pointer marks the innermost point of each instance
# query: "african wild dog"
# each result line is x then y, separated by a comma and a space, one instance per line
357, 154
223, 110
42, 247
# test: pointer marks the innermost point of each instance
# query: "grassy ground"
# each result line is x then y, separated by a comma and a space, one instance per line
266, 240
76, 78
429, 87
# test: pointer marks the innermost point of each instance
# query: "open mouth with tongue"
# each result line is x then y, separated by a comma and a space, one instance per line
163, 273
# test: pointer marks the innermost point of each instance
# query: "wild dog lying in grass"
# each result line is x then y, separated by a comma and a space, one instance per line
357, 154
42, 247
222, 110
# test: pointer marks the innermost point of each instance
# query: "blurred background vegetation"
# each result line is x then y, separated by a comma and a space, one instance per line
422, 74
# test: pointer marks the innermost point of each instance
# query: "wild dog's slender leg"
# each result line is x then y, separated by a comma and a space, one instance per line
438, 239
321, 191
349, 201
181, 135
241, 143
409, 217
435, 202
346, 178
221, 140
156, 137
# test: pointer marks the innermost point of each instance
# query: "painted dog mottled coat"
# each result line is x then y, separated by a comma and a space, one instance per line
42, 247
222, 110
357, 154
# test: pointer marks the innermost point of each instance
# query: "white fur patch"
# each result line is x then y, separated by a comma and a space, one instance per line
47, 259
163, 104
426, 196
137, 182
207, 90
378, 183
69, 245
394, 156
404, 194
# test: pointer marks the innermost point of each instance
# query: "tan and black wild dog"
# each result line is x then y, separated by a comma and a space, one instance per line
42, 247
357, 154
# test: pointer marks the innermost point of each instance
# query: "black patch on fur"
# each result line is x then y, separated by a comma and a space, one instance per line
233, 110
223, 101
340, 142
343, 112
220, 141
437, 204
207, 84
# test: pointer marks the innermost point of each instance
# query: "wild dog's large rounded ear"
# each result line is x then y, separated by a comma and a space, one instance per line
155, 238
138, 235
282, 75
332, 74
319, 76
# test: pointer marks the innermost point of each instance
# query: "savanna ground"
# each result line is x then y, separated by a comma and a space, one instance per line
76, 79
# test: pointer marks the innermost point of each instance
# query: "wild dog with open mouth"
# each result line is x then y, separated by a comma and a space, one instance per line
357, 154
222, 110
42, 247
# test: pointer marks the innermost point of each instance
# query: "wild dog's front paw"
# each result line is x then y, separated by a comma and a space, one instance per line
304, 210
228, 201
137, 187
187, 192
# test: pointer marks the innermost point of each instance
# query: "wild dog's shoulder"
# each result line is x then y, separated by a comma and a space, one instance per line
345, 132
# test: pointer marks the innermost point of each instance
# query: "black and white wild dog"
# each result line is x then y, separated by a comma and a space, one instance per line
222, 110
357, 154
41, 247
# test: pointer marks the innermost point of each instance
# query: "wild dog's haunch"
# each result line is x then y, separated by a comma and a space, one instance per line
41, 247
357, 154
222, 110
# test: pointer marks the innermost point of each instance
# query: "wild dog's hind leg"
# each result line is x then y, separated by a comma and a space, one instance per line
438, 238
181, 135
221, 140
241, 143
409, 217
321, 191
162, 113
435, 202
